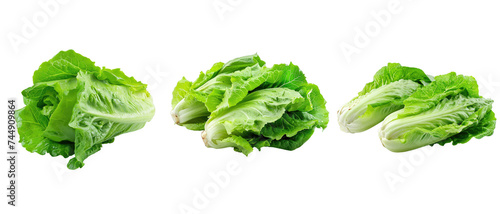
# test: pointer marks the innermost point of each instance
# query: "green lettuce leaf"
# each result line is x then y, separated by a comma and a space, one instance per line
31, 125
229, 67
249, 116
103, 111
290, 76
64, 65
264, 118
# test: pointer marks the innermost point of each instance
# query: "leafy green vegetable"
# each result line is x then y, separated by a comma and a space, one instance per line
391, 85
448, 110
245, 105
74, 107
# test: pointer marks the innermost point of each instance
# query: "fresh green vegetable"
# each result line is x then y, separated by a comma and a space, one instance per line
448, 110
391, 85
245, 105
74, 107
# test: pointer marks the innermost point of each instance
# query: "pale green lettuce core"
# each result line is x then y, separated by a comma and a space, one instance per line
74, 107
448, 110
250, 106
392, 84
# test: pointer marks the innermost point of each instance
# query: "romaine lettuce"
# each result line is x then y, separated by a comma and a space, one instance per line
391, 85
448, 110
251, 107
74, 107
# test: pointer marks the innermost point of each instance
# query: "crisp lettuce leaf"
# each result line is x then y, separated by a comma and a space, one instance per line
117, 77
229, 89
58, 129
31, 125
249, 116
290, 76
264, 118
316, 104
64, 65
309, 114
291, 143
103, 111
394, 72
229, 67
289, 125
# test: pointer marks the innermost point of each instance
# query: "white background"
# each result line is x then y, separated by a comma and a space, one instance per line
160, 168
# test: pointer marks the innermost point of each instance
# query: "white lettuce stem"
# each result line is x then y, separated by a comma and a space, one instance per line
214, 132
187, 111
